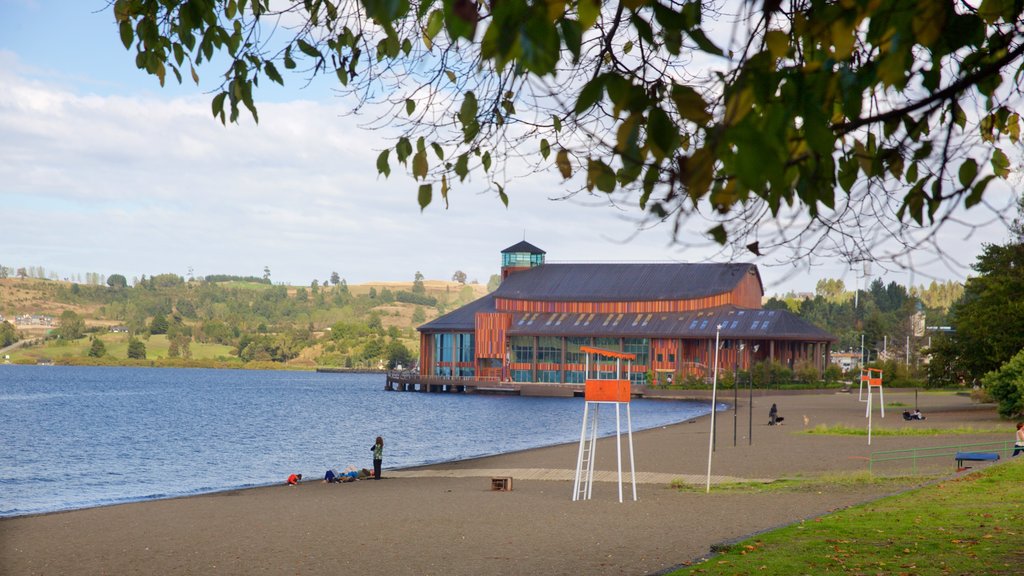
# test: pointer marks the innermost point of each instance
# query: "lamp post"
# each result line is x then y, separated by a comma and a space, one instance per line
714, 391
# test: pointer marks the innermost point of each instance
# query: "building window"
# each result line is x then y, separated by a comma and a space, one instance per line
548, 376
671, 358
443, 371
572, 350
522, 350
659, 357
549, 351
521, 376
574, 377
442, 347
464, 347
640, 347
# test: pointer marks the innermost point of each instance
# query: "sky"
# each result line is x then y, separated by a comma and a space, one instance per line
103, 171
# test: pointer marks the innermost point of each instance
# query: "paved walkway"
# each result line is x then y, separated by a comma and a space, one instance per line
565, 474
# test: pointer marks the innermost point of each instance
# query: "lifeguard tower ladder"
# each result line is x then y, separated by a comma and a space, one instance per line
615, 390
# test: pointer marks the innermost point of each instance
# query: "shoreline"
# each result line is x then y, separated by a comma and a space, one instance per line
448, 521
421, 466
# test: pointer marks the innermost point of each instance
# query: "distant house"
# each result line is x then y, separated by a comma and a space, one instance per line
33, 320
668, 314
119, 329
847, 360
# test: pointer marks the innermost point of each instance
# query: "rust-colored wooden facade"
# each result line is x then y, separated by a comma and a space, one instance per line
543, 329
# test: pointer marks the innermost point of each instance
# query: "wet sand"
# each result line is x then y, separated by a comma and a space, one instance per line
445, 519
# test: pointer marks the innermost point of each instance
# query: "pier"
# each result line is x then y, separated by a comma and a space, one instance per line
409, 381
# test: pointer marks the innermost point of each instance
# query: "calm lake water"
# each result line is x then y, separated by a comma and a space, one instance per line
76, 437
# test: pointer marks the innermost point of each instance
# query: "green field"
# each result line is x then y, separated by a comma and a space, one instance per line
968, 525
117, 347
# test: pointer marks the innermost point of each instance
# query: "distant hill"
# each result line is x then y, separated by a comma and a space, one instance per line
231, 322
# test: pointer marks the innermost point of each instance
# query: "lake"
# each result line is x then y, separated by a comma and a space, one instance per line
77, 437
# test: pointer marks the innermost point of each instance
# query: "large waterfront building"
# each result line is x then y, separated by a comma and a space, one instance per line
532, 327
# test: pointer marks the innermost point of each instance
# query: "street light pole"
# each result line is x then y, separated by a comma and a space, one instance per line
714, 391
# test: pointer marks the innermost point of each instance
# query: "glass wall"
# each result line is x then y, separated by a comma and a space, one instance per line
641, 347
522, 349
442, 355
521, 376
521, 259
574, 374
549, 376
549, 350
465, 350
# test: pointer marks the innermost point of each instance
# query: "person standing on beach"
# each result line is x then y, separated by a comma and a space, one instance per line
378, 456
1018, 446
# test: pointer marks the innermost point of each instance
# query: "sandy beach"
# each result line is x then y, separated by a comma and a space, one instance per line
445, 519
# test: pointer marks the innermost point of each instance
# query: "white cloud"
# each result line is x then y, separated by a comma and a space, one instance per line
151, 184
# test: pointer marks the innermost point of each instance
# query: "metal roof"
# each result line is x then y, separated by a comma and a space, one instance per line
736, 323
609, 282
462, 319
523, 246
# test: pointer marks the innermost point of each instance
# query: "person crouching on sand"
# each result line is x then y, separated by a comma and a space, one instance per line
378, 456
294, 479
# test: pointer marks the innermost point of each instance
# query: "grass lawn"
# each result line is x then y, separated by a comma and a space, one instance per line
972, 524
841, 430
117, 347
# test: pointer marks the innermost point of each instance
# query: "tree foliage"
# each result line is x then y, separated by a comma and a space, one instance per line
136, 349
117, 281
97, 349
71, 325
1006, 386
8, 334
789, 122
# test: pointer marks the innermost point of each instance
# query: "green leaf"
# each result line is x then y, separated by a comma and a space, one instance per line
272, 73
383, 167
468, 110
502, 195
486, 161
590, 94
600, 175
127, 35
218, 106
662, 133
690, 104
434, 24
403, 149
425, 195
572, 35
718, 234
462, 166
438, 150
778, 43
1000, 163
545, 148
703, 43
978, 191
450, 75
556, 122
307, 48
419, 165
562, 161
588, 11
968, 172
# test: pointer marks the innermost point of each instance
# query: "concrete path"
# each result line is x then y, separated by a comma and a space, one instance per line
564, 474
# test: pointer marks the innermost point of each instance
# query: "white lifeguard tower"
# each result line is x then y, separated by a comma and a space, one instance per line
603, 390
872, 377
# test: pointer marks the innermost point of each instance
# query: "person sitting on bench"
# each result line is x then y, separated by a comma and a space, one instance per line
773, 416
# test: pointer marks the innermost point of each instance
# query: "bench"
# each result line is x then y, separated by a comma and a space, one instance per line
501, 484
974, 457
